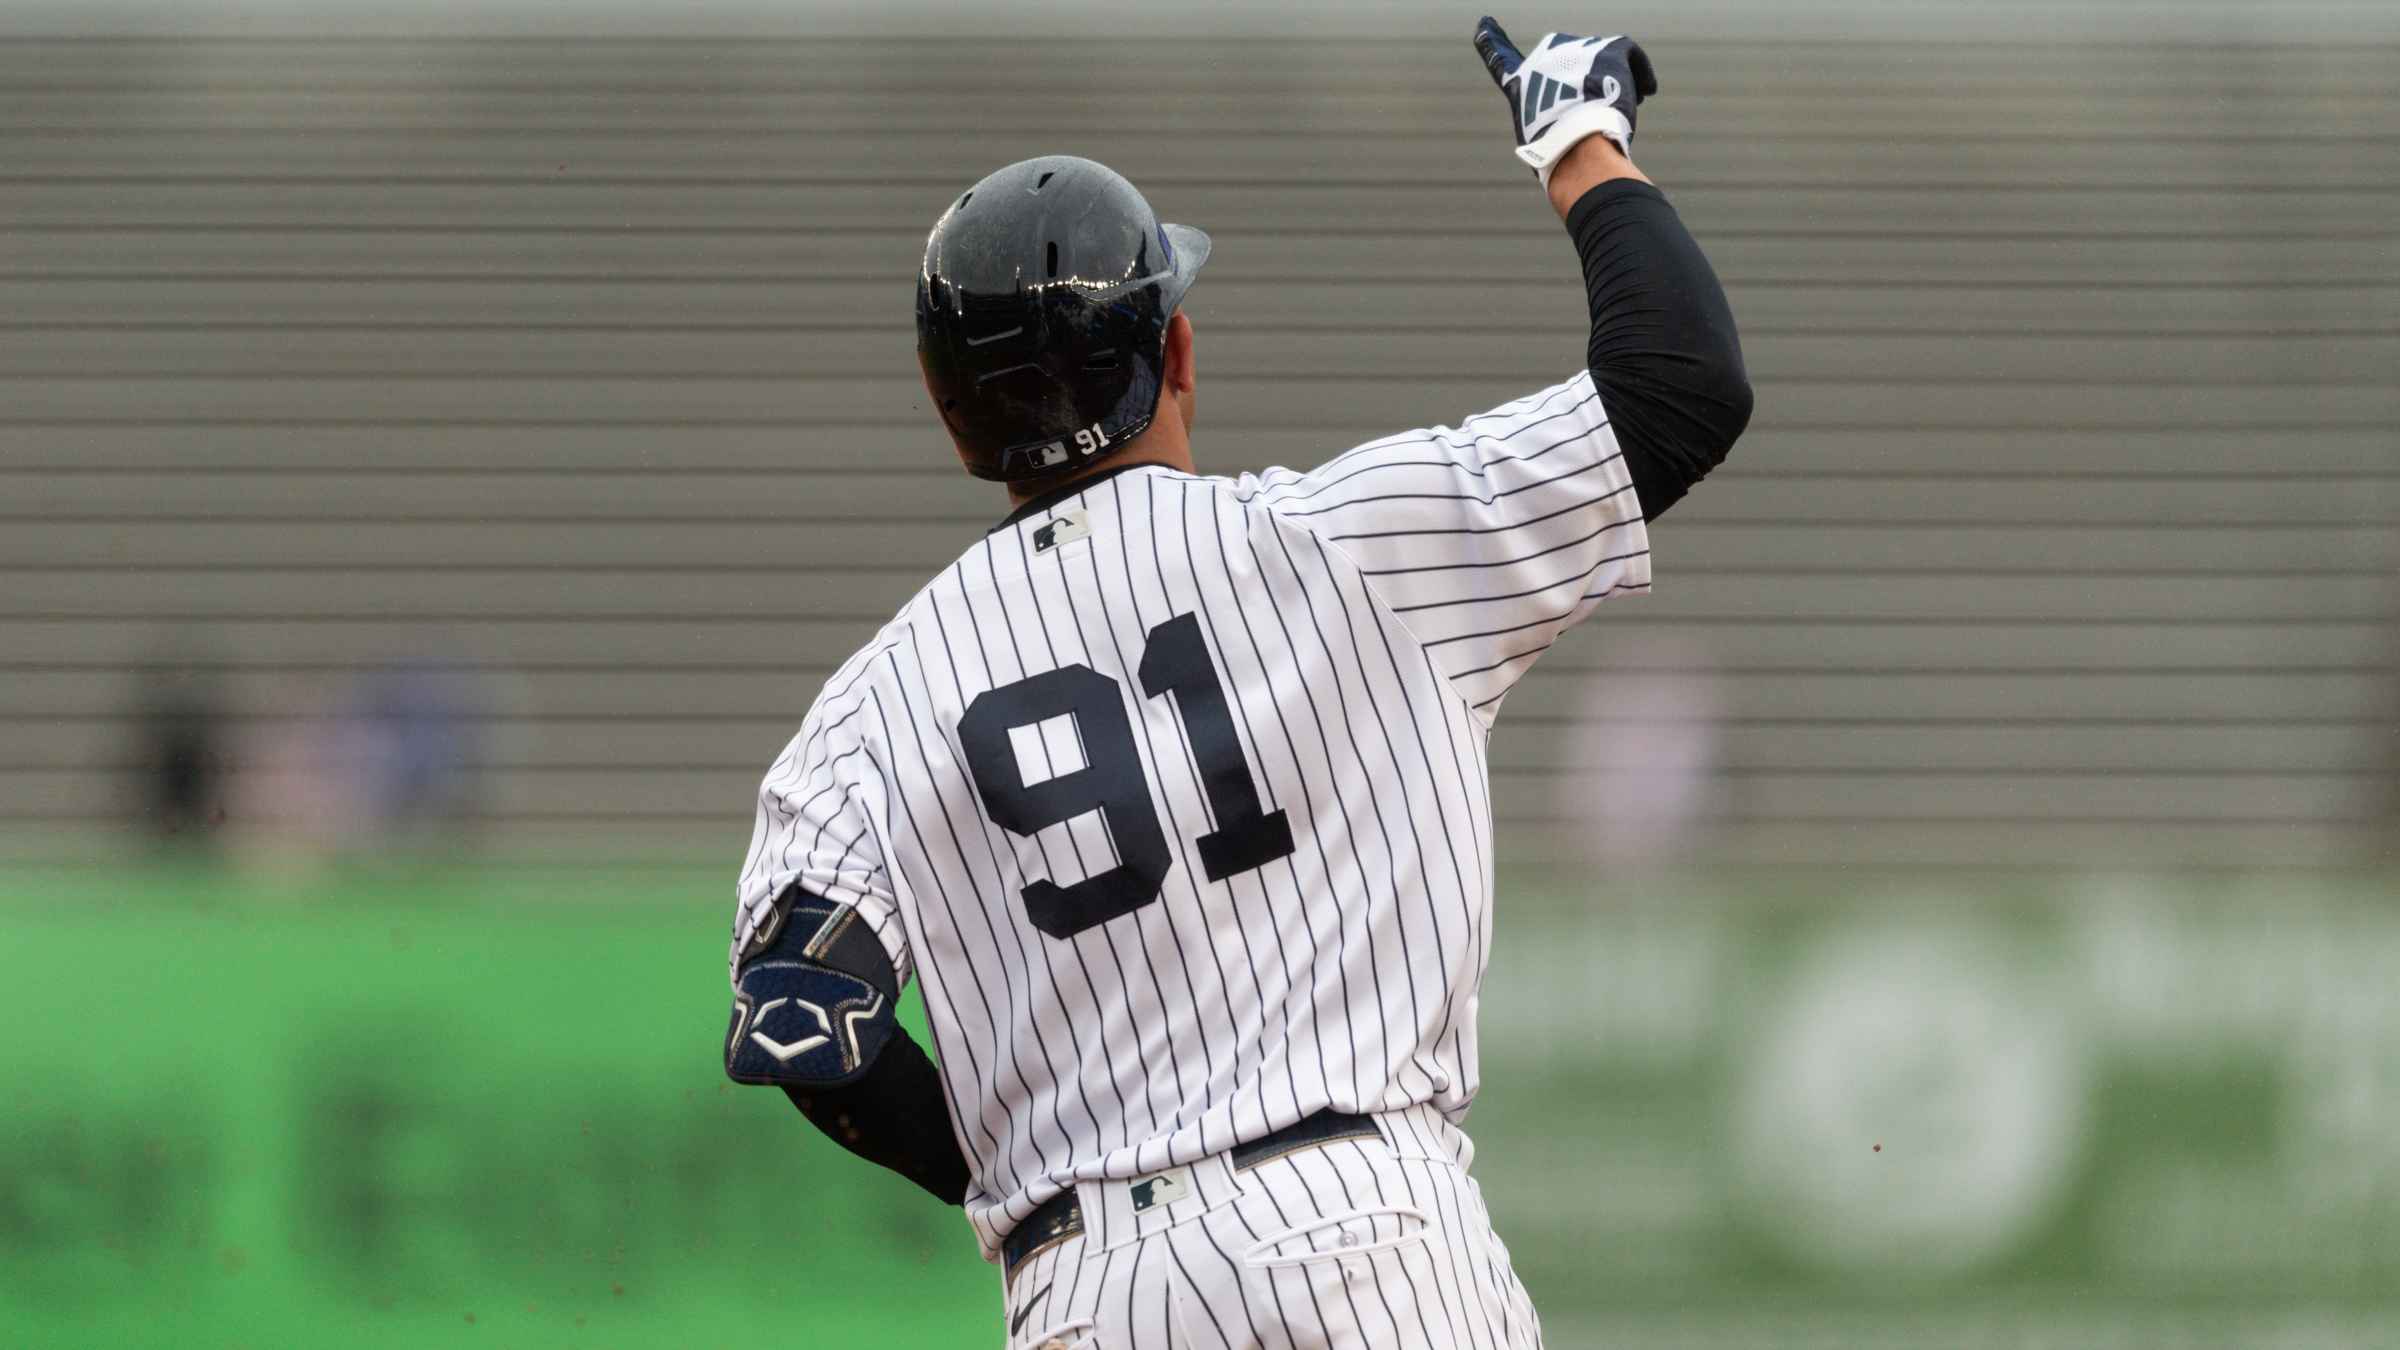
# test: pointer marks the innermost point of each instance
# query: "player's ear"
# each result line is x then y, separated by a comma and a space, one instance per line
1181, 374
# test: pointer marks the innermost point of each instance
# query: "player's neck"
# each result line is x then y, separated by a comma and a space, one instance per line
1166, 443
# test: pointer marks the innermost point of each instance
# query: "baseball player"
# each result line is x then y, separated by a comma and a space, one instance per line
1171, 791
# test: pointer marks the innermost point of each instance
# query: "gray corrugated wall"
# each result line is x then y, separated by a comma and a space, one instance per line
2066, 531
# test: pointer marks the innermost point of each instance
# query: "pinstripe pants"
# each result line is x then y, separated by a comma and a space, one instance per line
1356, 1244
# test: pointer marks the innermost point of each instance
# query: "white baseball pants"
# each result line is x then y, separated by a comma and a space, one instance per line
1358, 1244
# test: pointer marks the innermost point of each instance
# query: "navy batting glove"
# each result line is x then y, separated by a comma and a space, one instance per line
1569, 87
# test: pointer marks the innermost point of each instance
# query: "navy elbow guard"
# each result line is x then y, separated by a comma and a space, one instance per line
814, 999
813, 1014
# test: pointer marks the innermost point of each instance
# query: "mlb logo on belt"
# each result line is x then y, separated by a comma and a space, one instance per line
1164, 1189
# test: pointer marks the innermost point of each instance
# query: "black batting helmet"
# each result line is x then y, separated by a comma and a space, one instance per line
1042, 314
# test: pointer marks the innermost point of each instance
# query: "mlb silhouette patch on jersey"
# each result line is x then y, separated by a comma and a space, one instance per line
1068, 527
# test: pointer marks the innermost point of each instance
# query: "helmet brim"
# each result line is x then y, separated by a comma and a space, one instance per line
1191, 248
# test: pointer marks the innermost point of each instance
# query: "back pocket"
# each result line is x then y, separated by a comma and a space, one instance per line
1337, 1237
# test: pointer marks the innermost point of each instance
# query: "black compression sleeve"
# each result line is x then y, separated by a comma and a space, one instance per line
1663, 352
893, 1117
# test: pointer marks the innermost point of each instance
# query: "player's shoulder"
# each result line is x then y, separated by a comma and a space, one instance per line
1181, 507
848, 693
1227, 498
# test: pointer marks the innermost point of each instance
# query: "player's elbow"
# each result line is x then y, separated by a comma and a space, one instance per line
1715, 382
1687, 392
1713, 394
1724, 391
1695, 401
1677, 416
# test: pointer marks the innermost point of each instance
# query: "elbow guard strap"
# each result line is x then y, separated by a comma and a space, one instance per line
814, 998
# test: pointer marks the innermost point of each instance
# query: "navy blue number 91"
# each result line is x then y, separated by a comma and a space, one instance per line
1175, 661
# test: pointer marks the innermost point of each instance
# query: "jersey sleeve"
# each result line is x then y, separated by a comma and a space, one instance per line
819, 813
1488, 539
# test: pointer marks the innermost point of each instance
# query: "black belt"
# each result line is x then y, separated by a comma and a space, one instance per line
1061, 1217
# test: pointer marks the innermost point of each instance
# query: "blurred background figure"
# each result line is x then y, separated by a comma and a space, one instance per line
410, 739
1644, 779
180, 763
387, 762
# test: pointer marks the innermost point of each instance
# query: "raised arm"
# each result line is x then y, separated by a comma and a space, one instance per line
1663, 353
1492, 538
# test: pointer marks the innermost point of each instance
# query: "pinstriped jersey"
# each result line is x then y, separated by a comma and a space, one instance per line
1172, 794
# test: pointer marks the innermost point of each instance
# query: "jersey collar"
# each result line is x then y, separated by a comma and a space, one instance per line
1051, 499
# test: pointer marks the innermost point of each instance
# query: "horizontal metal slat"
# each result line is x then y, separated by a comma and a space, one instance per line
1233, 355
1707, 106
228, 295
1627, 645
317, 592
1637, 748
743, 553
2128, 800
647, 250
946, 160
1969, 696
2045, 844
1837, 468
1769, 482
1923, 61
799, 400
1521, 748
1973, 696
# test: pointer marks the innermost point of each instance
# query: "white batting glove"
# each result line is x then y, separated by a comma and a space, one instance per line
1569, 87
